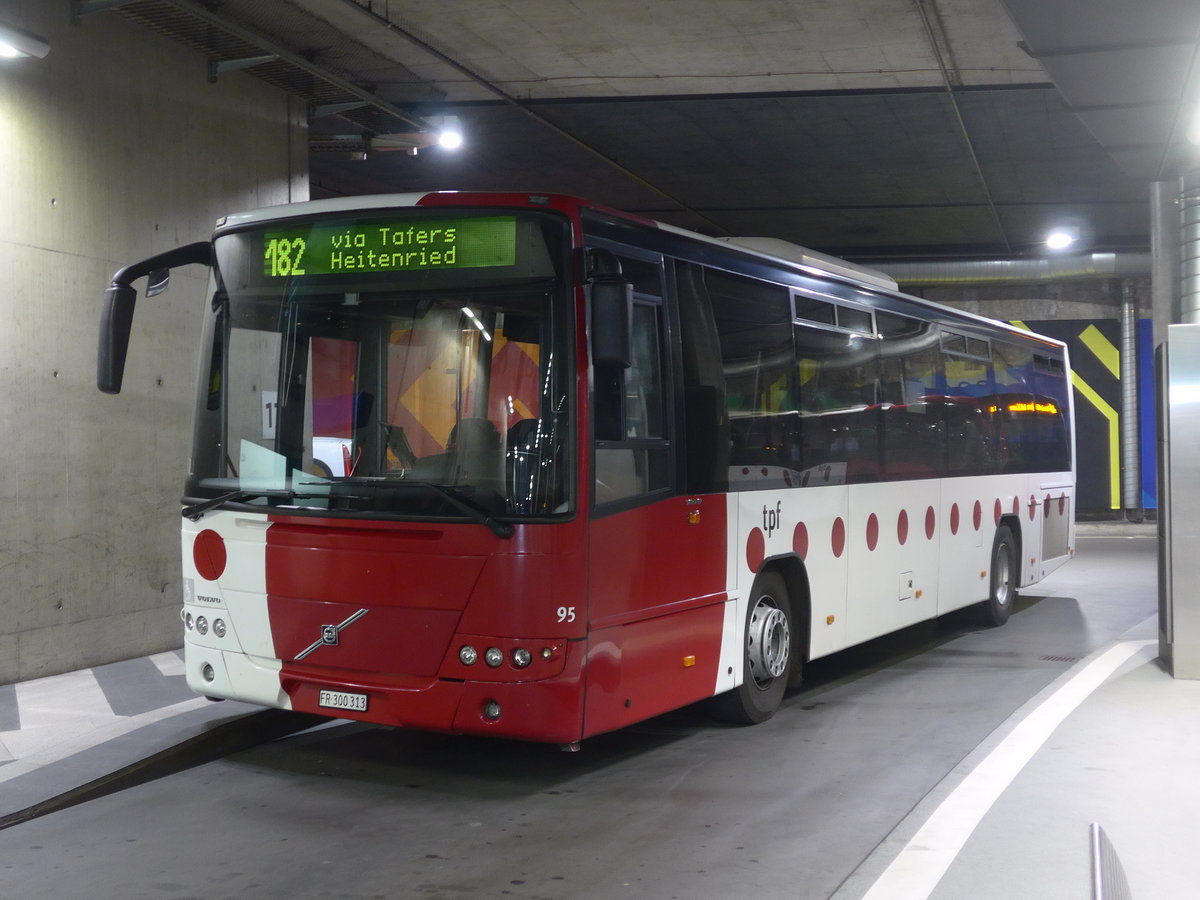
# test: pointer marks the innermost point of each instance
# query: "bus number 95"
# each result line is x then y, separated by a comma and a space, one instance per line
566, 614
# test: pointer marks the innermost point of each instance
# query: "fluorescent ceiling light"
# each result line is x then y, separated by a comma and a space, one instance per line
15, 43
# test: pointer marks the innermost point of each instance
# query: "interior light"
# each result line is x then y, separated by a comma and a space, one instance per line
15, 43
470, 314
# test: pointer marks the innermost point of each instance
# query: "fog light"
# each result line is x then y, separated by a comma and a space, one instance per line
468, 655
493, 656
491, 710
522, 657
219, 627
188, 623
202, 624
207, 673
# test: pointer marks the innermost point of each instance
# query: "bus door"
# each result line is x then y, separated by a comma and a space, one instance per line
656, 557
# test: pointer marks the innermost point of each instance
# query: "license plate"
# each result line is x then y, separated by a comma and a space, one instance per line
342, 700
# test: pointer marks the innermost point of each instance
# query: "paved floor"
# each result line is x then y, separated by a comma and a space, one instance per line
1112, 740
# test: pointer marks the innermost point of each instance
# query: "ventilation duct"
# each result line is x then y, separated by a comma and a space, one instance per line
1050, 268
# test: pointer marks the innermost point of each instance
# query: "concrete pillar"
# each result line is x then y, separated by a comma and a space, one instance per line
1164, 251
1189, 248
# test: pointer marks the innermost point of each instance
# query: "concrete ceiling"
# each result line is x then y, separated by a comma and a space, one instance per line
873, 129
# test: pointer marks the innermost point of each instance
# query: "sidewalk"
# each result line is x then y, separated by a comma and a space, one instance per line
64, 731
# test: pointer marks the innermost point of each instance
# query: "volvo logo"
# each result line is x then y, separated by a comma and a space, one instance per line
330, 635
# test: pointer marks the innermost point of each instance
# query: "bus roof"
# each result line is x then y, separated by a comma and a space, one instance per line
775, 249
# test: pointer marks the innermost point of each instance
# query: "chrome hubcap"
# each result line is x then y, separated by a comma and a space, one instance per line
769, 642
1003, 575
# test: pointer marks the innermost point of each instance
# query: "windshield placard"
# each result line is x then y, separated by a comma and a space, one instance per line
333, 248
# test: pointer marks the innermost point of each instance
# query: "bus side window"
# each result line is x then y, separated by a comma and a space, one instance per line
754, 325
913, 420
632, 435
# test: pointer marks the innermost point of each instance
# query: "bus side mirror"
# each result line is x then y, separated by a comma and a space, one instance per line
116, 322
116, 319
612, 322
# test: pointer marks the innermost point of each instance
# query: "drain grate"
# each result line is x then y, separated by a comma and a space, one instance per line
1067, 659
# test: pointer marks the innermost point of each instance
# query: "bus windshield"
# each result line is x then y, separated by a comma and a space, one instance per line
412, 365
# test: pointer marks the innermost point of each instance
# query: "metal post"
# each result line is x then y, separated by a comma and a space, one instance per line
1189, 249
1131, 469
1164, 254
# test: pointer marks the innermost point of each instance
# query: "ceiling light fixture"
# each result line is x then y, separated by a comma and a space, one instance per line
450, 132
16, 44
1062, 238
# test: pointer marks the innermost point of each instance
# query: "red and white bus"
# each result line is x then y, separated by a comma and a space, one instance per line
593, 467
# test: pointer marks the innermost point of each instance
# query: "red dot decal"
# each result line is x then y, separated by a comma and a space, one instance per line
954, 518
1062, 505
977, 515
997, 511
800, 540
930, 522
1046, 507
1016, 507
208, 553
1033, 505
838, 538
872, 531
902, 527
756, 549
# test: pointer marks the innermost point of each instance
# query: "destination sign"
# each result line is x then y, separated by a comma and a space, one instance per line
334, 248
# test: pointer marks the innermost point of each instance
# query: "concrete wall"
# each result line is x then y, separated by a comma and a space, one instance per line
113, 147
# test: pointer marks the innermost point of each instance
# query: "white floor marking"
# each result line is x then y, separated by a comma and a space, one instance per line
168, 663
916, 871
67, 742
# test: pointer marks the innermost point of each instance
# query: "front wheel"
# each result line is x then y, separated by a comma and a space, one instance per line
1002, 593
767, 656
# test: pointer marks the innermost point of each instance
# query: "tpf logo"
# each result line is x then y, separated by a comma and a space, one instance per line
773, 518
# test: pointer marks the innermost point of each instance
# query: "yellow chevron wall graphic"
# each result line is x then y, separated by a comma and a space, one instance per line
1109, 357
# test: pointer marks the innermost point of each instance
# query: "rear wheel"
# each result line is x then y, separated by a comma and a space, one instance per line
767, 655
1002, 593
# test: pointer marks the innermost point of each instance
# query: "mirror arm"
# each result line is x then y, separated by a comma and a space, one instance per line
116, 319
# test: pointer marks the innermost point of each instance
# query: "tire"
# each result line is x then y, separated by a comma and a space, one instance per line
768, 656
1002, 592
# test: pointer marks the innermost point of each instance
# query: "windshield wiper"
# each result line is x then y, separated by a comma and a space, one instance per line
464, 504
195, 510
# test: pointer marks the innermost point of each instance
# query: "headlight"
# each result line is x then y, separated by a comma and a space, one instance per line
494, 657
468, 655
522, 657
